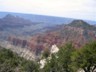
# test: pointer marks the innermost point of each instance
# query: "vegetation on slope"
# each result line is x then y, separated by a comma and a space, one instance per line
68, 59
10, 62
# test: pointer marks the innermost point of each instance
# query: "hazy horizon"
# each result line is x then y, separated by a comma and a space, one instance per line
80, 9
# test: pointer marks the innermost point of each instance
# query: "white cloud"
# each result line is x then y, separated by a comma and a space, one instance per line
67, 8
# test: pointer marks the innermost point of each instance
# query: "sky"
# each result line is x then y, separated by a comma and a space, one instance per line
81, 9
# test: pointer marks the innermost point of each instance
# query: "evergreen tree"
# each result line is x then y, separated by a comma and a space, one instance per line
85, 58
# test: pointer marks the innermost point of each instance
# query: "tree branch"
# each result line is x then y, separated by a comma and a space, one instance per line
93, 68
